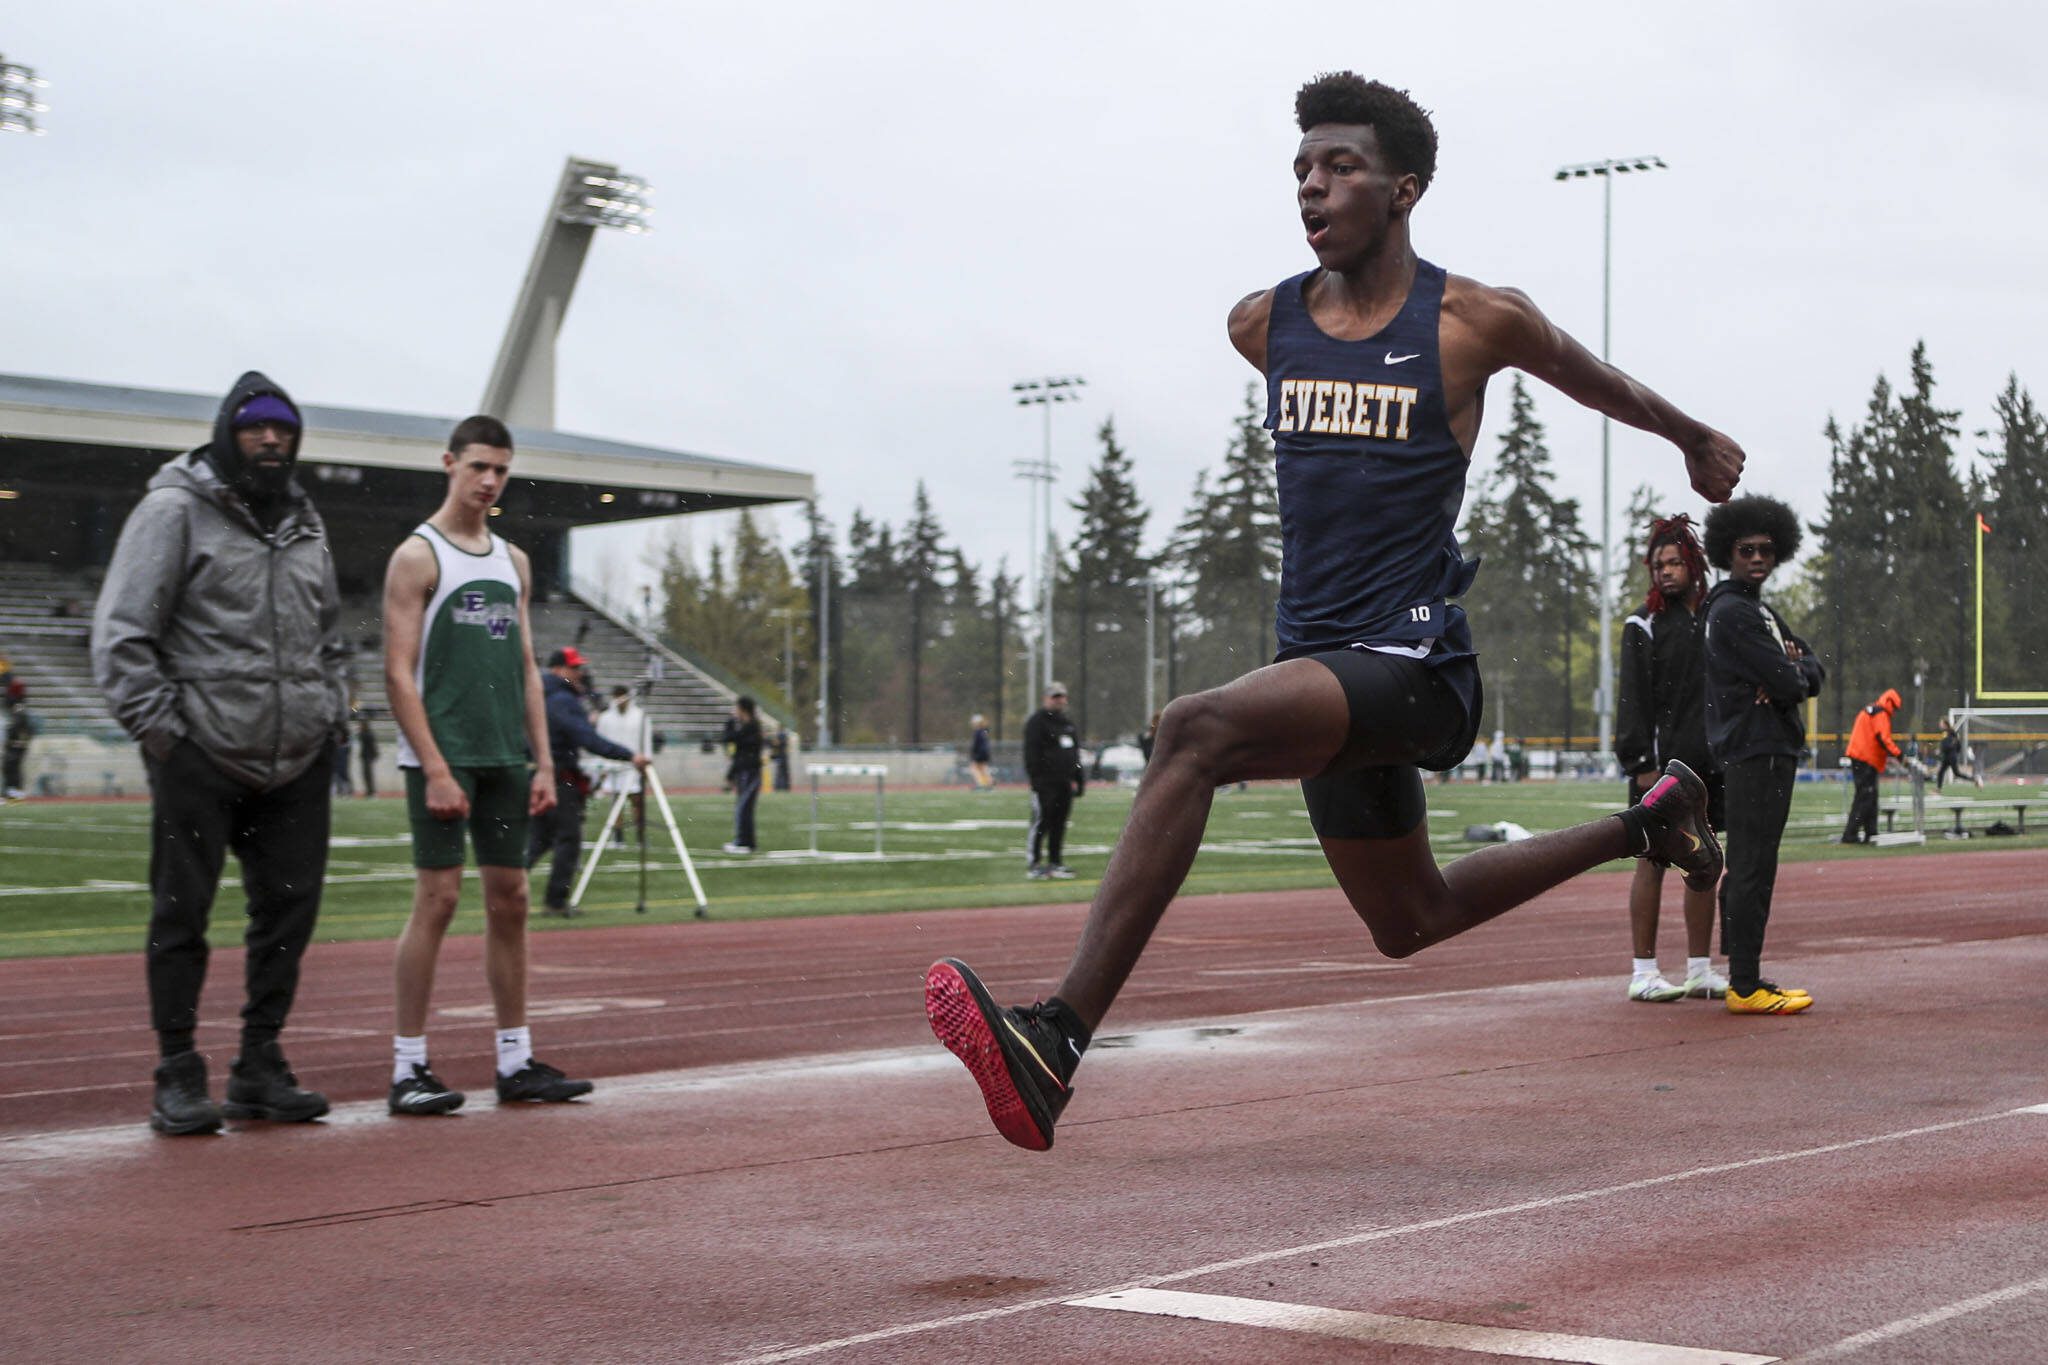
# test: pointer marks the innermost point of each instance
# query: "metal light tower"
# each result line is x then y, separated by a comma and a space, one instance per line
1045, 393
18, 103
589, 196
1603, 696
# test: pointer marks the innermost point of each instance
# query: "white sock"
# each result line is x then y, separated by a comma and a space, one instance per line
1698, 966
405, 1052
515, 1049
1646, 967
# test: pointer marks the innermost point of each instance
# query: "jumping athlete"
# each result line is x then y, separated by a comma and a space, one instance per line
473, 745
1376, 364
1661, 714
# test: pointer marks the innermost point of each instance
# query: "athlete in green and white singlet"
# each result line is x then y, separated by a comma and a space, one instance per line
472, 661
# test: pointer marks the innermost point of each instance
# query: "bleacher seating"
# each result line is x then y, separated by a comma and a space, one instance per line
49, 653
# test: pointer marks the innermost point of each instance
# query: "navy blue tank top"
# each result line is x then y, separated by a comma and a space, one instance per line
1370, 482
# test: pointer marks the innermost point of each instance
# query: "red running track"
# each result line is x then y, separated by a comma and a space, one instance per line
779, 1162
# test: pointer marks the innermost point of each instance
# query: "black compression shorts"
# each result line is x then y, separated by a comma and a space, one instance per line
1403, 714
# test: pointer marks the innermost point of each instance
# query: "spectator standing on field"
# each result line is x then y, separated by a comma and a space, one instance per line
366, 746
1870, 748
1661, 715
1759, 674
22, 726
217, 643
979, 752
570, 734
1052, 762
743, 774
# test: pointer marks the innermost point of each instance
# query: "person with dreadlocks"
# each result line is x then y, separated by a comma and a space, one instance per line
1661, 714
1758, 675
1375, 363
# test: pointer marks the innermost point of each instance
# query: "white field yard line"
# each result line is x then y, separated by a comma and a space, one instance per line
1379, 1327
1378, 1235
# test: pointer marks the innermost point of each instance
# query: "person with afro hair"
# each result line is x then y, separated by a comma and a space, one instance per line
1759, 674
1660, 714
1375, 363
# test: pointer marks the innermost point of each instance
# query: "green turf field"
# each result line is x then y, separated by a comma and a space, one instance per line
73, 875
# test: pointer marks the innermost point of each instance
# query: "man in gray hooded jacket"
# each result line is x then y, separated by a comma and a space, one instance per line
217, 643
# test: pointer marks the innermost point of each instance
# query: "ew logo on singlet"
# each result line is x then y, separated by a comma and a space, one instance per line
497, 617
1340, 408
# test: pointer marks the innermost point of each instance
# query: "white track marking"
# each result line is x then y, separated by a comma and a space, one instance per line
1452, 1336
1371, 1235
1850, 1345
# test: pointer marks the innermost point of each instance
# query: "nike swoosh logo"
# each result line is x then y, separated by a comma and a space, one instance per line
1025, 1043
1393, 359
1693, 839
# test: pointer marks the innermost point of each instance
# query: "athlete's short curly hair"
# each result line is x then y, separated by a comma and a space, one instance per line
1405, 133
1750, 516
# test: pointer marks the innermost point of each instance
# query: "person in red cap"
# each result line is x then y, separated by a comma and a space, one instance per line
1870, 748
570, 733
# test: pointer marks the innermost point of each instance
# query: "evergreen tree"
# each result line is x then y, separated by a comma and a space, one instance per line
1226, 553
918, 569
1107, 592
1535, 592
2014, 498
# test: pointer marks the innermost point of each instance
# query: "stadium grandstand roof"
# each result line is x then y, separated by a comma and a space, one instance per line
72, 413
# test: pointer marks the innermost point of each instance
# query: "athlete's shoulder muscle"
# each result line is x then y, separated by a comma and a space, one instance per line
413, 572
1248, 322
1488, 328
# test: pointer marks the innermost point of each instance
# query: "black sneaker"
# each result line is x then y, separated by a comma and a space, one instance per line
1677, 829
539, 1081
1019, 1057
181, 1105
423, 1093
261, 1086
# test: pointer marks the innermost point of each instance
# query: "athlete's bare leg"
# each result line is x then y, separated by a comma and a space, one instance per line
506, 907
1645, 907
1288, 721
1645, 901
1285, 720
1408, 903
435, 891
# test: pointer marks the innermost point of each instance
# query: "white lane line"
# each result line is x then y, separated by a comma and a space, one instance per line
1850, 1345
906, 1329
1452, 1336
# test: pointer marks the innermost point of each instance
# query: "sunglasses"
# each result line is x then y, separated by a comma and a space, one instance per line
1763, 551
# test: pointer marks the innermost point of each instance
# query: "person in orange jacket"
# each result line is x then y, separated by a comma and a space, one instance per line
1870, 748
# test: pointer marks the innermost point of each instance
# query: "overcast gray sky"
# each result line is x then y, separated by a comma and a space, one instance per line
872, 218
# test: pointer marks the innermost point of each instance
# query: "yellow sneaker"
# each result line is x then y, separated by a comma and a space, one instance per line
1767, 999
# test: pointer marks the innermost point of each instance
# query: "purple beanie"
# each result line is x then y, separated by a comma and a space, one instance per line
266, 407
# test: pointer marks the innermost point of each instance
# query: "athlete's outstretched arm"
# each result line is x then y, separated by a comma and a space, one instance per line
1506, 330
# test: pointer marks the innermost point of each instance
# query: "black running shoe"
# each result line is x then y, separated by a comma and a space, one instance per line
423, 1093
181, 1106
1019, 1057
261, 1086
539, 1081
1677, 829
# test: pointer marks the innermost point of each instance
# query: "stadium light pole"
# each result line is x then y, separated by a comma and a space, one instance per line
18, 103
1045, 393
1603, 695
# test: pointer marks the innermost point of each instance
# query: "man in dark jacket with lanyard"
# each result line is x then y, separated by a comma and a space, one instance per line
1758, 676
1052, 762
1662, 715
569, 732
217, 643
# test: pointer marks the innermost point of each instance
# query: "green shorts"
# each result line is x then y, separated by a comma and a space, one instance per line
497, 818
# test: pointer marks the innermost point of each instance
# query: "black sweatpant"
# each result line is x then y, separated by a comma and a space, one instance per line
1862, 826
561, 830
746, 794
1759, 800
1050, 807
198, 813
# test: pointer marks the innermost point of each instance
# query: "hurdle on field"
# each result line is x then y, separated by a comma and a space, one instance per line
878, 771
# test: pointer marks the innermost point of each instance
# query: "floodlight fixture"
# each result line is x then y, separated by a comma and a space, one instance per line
1054, 389
1612, 166
1044, 393
607, 200
18, 103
